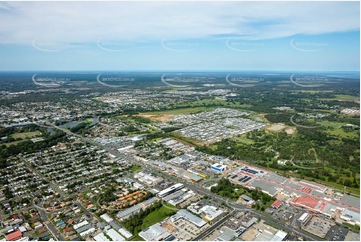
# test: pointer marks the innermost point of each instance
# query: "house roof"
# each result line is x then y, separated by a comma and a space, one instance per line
14, 235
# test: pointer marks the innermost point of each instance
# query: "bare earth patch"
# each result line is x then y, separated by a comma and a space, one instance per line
276, 127
157, 117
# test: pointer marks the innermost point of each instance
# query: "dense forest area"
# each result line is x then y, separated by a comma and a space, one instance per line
27, 146
328, 157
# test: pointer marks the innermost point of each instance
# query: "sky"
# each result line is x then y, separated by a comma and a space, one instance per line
150, 36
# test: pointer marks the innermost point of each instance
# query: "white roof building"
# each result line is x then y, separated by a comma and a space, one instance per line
182, 213
154, 233
76, 226
125, 233
87, 232
350, 216
101, 237
211, 212
279, 236
106, 218
114, 235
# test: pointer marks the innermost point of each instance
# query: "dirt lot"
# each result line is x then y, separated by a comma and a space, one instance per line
250, 234
157, 117
290, 131
276, 127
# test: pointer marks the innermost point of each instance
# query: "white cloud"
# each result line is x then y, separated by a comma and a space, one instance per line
22, 22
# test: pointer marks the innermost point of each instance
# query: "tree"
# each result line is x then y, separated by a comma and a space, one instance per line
347, 182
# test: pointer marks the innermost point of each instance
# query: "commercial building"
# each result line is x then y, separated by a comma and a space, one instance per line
211, 213
218, 167
276, 204
304, 218
350, 216
170, 190
182, 213
155, 233
279, 236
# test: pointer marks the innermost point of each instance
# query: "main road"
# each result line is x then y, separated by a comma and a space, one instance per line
267, 218
213, 227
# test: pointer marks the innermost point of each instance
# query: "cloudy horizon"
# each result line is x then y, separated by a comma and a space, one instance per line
180, 35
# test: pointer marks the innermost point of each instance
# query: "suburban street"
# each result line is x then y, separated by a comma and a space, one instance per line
195, 187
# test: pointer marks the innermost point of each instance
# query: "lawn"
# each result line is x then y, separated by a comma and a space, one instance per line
137, 238
341, 97
13, 143
244, 140
337, 130
158, 215
135, 168
26, 135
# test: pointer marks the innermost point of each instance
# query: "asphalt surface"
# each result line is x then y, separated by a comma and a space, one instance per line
49, 225
213, 227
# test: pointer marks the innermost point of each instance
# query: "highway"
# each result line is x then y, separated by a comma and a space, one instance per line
267, 218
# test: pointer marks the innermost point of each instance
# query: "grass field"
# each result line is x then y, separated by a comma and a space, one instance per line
341, 97
158, 215
13, 143
137, 238
337, 130
26, 135
244, 140
314, 91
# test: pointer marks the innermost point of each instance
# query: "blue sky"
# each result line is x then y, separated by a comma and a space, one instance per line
283, 36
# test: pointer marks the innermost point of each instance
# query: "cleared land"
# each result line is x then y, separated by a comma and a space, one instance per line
276, 127
179, 111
